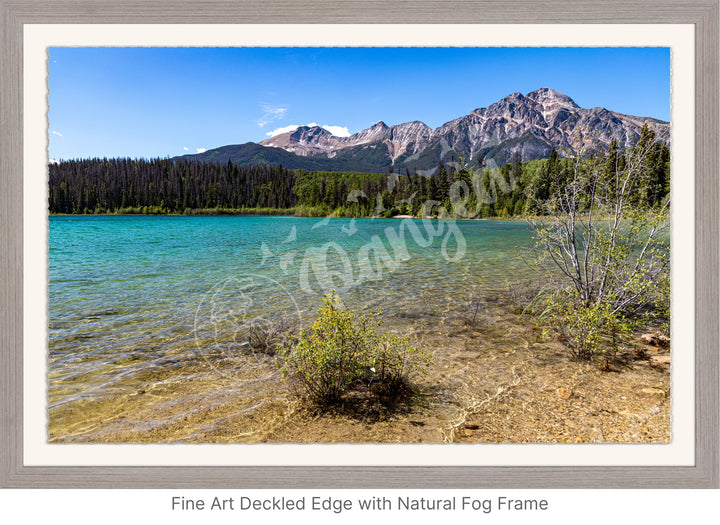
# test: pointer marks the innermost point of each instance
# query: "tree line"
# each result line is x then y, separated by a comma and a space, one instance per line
165, 186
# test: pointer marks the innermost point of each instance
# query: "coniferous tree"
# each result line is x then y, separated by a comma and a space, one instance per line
443, 186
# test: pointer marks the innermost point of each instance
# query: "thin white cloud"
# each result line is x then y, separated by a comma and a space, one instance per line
57, 133
280, 131
185, 148
270, 114
338, 131
54, 161
200, 150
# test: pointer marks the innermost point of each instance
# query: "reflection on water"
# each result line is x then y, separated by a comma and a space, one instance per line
131, 299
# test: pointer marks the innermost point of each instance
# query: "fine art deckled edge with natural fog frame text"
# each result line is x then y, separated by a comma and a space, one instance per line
702, 14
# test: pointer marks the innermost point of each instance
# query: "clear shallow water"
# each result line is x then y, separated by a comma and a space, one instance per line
128, 294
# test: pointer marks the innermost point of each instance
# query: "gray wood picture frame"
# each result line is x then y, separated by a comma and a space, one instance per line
702, 13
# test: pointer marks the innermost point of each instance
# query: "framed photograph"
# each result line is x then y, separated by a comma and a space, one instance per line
337, 246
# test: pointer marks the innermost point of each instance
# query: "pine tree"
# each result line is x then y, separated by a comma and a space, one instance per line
516, 169
431, 191
443, 186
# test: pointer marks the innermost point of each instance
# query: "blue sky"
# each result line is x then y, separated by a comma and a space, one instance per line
162, 102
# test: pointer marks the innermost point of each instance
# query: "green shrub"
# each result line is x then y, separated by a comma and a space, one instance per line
342, 350
662, 302
589, 331
391, 362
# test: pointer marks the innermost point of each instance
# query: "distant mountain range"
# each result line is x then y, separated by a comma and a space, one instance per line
530, 125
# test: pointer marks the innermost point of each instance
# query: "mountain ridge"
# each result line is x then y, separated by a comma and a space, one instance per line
529, 126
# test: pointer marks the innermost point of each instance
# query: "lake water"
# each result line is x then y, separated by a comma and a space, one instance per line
128, 294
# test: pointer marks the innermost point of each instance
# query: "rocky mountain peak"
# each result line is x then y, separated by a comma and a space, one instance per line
515, 96
378, 131
310, 133
413, 127
547, 96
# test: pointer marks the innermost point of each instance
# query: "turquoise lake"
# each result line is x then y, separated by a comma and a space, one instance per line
131, 292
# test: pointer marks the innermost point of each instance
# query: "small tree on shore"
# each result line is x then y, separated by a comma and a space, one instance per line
608, 244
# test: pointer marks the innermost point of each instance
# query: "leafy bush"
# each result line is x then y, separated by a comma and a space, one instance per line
341, 350
589, 331
662, 304
391, 362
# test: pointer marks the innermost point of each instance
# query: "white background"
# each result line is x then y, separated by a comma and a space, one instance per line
581, 507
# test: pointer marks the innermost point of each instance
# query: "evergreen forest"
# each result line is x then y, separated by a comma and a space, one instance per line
190, 187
